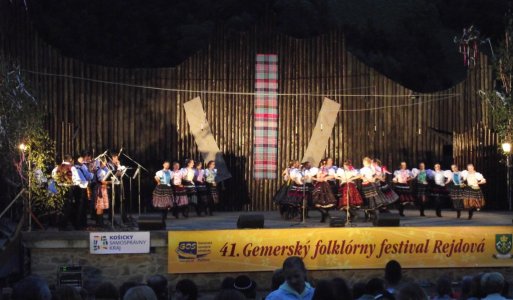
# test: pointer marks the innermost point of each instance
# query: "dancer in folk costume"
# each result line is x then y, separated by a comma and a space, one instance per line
201, 188
190, 188
402, 180
421, 186
332, 170
322, 195
348, 190
385, 191
473, 198
102, 195
280, 198
439, 191
372, 202
163, 193
210, 178
300, 193
456, 187
181, 203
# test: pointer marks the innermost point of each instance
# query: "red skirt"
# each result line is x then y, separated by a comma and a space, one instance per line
349, 190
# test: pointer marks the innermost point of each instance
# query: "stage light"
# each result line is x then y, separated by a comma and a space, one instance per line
506, 147
23, 147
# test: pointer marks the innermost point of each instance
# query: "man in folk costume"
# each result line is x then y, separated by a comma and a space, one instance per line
456, 187
201, 188
190, 188
163, 193
67, 178
439, 191
421, 186
210, 179
81, 197
473, 198
350, 198
402, 180
322, 195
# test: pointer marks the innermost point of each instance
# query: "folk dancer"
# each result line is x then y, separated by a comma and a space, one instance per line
201, 188
102, 195
322, 195
372, 202
190, 188
421, 186
210, 178
332, 170
348, 191
163, 193
385, 191
456, 188
181, 204
81, 196
473, 198
280, 198
402, 179
439, 191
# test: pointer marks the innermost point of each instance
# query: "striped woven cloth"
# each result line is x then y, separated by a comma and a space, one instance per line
265, 143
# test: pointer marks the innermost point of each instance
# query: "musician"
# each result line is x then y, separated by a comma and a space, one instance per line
92, 167
117, 169
210, 178
80, 193
402, 179
473, 198
67, 178
102, 196
163, 193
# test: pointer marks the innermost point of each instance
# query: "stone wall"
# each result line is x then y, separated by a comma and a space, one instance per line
49, 250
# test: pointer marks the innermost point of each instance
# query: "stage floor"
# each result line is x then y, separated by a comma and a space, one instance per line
228, 220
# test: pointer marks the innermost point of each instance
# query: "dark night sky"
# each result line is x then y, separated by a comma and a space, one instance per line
409, 41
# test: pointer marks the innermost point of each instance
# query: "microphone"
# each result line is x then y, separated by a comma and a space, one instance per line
120, 150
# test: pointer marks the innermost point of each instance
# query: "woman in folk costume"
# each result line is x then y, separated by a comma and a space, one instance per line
332, 169
280, 198
181, 203
210, 178
439, 191
190, 188
473, 198
372, 201
322, 195
421, 186
402, 180
456, 187
163, 193
102, 196
201, 187
385, 192
348, 191
298, 193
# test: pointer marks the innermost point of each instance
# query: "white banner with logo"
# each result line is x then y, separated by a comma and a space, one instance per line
119, 242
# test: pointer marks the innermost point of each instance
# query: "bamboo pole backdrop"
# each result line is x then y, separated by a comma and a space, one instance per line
150, 125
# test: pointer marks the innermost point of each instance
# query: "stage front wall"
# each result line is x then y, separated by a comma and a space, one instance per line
339, 248
151, 125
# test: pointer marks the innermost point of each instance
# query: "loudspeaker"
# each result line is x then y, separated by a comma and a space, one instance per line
337, 222
250, 221
147, 223
387, 220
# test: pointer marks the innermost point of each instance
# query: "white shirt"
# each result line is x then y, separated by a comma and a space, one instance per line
211, 175
472, 178
368, 174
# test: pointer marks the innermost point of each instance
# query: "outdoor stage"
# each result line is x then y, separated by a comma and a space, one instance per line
228, 220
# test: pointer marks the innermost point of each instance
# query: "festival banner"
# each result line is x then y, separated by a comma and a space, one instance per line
339, 248
119, 242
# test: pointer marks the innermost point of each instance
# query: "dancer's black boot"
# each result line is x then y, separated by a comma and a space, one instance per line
458, 214
470, 213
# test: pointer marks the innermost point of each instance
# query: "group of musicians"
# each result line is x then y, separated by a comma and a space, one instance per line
87, 181
374, 189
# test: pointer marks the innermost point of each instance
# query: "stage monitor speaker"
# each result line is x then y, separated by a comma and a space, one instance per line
387, 220
250, 221
337, 222
147, 223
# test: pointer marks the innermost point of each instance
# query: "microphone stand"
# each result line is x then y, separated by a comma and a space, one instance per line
137, 173
303, 210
